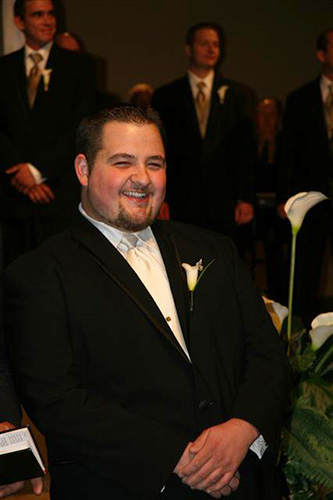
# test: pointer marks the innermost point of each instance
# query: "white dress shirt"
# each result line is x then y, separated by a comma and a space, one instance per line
148, 245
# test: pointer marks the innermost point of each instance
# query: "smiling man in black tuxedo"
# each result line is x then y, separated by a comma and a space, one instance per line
139, 395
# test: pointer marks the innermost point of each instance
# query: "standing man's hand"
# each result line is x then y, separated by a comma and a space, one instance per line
40, 193
218, 453
10, 489
244, 213
22, 177
281, 211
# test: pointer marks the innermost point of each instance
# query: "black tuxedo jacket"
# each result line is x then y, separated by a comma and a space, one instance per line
207, 176
101, 373
9, 405
304, 158
43, 136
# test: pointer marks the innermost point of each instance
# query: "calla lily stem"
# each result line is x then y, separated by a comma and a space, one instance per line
326, 356
291, 286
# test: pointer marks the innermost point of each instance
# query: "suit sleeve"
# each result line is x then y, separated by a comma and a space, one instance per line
98, 433
287, 150
9, 406
263, 393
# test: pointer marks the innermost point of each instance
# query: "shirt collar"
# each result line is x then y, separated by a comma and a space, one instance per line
114, 235
194, 80
44, 51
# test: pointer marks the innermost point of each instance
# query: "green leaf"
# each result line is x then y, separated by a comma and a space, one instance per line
308, 444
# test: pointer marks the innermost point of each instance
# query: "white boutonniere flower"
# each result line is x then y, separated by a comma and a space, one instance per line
322, 329
193, 277
46, 73
221, 92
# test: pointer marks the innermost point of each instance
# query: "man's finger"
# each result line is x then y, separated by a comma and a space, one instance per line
226, 491
9, 489
193, 466
37, 485
202, 481
228, 480
48, 191
6, 426
13, 169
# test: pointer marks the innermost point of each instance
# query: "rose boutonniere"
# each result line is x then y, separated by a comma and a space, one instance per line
222, 92
193, 277
46, 73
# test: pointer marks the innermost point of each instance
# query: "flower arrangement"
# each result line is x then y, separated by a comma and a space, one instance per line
307, 439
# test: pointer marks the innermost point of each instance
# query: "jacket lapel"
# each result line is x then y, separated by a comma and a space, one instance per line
189, 107
215, 106
20, 81
318, 110
115, 266
176, 275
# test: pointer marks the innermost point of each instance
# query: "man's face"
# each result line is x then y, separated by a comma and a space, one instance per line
126, 185
326, 57
204, 52
39, 23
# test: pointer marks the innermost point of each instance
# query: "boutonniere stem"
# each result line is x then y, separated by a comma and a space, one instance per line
193, 277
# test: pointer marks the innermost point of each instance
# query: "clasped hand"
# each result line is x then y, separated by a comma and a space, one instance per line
211, 462
23, 181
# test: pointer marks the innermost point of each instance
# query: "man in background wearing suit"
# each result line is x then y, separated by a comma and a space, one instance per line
208, 120
141, 392
306, 163
44, 92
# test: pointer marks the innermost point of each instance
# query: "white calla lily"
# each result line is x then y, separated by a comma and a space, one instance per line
322, 329
192, 274
277, 311
193, 278
298, 206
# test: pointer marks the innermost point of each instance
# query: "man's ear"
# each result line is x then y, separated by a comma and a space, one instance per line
82, 169
188, 51
19, 23
321, 56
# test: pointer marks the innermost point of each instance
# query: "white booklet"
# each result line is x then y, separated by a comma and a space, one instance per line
19, 456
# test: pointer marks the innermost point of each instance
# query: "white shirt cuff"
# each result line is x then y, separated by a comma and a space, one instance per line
259, 446
36, 174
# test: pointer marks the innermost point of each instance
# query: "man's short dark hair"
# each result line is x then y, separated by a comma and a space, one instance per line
190, 35
19, 7
89, 135
322, 39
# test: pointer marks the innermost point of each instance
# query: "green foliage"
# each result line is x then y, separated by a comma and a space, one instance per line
308, 443
307, 438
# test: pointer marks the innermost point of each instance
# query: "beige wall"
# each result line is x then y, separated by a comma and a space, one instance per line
270, 42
